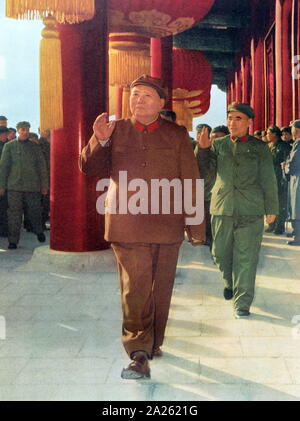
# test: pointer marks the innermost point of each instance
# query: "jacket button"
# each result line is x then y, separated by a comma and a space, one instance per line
144, 164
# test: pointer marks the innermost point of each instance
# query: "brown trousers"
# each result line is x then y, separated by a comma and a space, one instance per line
147, 273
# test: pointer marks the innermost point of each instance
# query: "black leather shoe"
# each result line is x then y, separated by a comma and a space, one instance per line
12, 246
290, 235
138, 368
41, 237
241, 313
293, 243
228, 294
278, 232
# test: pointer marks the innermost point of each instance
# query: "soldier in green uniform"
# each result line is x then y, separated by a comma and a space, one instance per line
44, 142
280, 151
245, 190
3, 199
23, 175
209, 179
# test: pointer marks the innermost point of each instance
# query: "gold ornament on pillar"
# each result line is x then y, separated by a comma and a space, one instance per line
64, 11
51, 101
129, 58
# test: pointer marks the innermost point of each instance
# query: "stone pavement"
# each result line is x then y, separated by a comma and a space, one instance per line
62, 336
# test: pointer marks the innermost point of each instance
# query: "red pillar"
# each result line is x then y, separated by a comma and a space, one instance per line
246, 80
296, 59
75, 224
167, 68
283, 63
257, 91
156, 57
238, 85
161, 63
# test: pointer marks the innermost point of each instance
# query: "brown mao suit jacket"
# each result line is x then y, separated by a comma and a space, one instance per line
163, 153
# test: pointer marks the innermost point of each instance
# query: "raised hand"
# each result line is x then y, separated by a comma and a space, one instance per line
203, 139
103, 128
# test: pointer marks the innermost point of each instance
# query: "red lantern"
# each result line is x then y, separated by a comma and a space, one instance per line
156, 18
192, 78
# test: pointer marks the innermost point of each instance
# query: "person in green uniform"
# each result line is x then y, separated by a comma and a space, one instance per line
3, 199
23, 175
280, 152
209, 180
245, 190
44, 142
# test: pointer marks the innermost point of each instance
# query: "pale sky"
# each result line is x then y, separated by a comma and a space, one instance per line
19, 75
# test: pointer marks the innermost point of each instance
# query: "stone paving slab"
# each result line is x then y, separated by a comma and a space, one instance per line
63, 332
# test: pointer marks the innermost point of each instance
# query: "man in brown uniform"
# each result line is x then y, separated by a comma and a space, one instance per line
146, 243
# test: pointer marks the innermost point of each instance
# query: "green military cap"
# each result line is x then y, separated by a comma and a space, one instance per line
22, 124
242, 108
275, 129
202, 126
296, 124
3, 129
3, 118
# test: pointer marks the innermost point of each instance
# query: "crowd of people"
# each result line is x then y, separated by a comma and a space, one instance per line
24, 181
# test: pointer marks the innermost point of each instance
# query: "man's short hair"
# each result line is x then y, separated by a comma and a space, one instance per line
275, 129
222, 129
169, 114
286, 129
202, 126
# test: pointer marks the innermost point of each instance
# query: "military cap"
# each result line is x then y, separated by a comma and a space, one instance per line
275, 129
22, 124
296, 124
242, 108
203, 126
257, 133
3, 129
3, 118
153, 82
